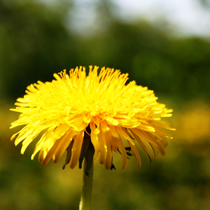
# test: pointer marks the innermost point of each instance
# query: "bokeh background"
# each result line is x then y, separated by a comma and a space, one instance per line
164, 45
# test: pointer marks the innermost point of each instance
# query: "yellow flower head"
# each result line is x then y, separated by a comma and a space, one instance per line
101, 106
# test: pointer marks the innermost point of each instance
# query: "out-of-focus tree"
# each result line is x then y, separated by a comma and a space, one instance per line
171, 66
205, 3
34, 44
174, 67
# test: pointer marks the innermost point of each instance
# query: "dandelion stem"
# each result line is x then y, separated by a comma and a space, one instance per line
85, 203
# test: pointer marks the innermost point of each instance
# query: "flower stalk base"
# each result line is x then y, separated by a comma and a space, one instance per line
85, 203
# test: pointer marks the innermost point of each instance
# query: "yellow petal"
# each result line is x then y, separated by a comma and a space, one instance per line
94, 140
64, 143
143, 146
121, 148
108, 162
76, 149
46, 158
102, 147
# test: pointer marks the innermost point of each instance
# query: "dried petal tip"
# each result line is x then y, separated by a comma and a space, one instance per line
76, 110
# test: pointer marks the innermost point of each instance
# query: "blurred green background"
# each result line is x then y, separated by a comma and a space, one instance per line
38, 39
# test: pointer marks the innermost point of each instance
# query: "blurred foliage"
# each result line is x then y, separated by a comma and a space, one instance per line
35, 42
34, 45
205, 3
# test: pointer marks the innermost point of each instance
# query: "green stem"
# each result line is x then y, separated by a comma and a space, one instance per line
85, 203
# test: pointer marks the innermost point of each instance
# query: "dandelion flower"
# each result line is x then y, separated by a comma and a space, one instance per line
100, 106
